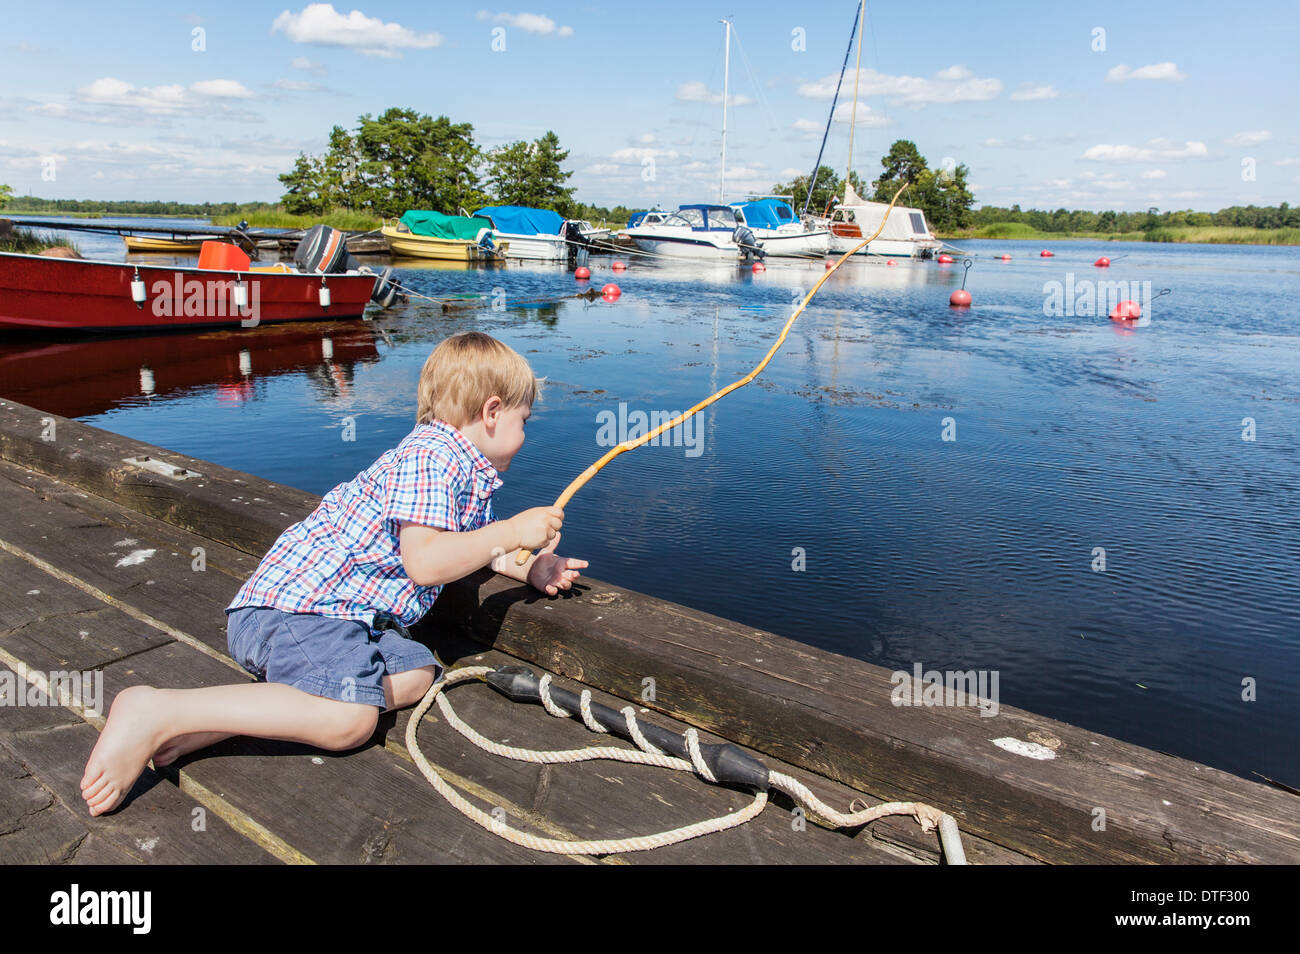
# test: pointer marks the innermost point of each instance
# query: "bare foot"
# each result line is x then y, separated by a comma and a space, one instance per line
124, 747
185, 744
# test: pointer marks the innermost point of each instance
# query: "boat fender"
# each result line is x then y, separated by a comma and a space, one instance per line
729, 764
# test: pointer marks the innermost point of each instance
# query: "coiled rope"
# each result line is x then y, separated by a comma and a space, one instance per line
522, 556
646, 754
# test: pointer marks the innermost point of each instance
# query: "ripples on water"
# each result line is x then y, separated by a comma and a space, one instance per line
977, 553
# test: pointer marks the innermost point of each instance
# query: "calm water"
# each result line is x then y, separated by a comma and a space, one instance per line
974, 553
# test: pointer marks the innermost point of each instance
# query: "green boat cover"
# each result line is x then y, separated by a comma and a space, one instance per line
437, 225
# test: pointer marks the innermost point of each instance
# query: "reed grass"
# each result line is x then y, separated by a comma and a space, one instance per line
29, 242
344, 219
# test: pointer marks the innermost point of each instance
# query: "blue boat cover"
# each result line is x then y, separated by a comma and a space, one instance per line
521, 220
635, 219
767, 213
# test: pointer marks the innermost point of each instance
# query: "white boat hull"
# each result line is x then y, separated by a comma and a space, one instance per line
891, 248
793, 244
538, 248
685, 244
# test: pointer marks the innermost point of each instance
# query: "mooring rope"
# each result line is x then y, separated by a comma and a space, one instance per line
646, 754
522, 557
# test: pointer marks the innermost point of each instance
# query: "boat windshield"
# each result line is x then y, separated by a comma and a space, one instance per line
692, 217
722, 219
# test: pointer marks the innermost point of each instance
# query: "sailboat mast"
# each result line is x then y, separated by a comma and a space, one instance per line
853, 117
726, 79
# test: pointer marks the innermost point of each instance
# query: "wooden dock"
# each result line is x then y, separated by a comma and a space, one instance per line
119, 558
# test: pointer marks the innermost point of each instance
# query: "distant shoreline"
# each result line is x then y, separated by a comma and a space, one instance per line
1184, 234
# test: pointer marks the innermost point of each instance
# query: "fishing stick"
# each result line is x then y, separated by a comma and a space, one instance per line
522, 557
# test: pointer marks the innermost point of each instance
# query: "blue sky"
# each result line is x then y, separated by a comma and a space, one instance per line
1185, 103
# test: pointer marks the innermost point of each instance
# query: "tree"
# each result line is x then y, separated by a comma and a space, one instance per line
828, 186
530, 174
903, 162
5, 193
394, 162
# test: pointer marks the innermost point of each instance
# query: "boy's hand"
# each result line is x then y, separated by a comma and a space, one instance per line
551, 573
538, 527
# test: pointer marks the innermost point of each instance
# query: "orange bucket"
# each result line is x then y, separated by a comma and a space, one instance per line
224, 257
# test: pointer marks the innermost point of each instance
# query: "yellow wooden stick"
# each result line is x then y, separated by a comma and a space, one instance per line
522, 557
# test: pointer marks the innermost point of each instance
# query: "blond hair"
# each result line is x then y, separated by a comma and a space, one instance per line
464, 371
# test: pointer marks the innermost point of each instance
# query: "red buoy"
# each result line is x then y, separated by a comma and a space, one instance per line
1126, 311
830, 264
759, 267
618, 266
1102, 262
611, 291
944, 260
1004, 258
1046, 254
582, 272
959, 299
890, 262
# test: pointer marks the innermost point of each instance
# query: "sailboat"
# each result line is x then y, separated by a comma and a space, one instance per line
722, 230
906, 233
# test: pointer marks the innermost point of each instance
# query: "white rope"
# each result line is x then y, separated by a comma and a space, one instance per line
497, 825
648, 754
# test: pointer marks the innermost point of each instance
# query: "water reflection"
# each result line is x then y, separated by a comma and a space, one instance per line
85, 377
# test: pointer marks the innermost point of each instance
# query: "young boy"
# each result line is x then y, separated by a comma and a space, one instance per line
315, 623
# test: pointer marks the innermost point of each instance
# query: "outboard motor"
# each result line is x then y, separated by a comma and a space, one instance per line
323, 249
578, 245
750, 250
387, 290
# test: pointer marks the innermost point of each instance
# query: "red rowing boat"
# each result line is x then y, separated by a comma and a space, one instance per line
43, 293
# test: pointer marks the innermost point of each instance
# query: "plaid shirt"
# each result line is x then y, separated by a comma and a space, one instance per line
344, 560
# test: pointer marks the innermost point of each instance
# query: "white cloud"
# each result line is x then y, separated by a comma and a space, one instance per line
1021, 142
640, 153
322, 25
1154, 174
222, 89
1155, 150
1029, 93
955, 84
535, 23
310, 66
1249, 138
110, 91
866, 116
1288, 162
697, 92
1153, 71
297, 86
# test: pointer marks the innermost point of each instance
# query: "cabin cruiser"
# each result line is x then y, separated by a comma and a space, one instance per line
906, 233
696, 231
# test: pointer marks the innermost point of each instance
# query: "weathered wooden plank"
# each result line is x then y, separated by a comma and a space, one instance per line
51, 744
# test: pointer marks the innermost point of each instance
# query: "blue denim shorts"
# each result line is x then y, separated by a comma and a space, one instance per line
335, 658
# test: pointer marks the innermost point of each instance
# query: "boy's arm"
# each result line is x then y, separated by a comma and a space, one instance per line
432, 557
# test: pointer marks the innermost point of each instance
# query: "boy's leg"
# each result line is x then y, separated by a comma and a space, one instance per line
142, 719
400, 690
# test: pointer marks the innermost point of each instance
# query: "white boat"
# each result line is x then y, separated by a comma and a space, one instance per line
779, 230
536, 234
693, 231
905, 235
